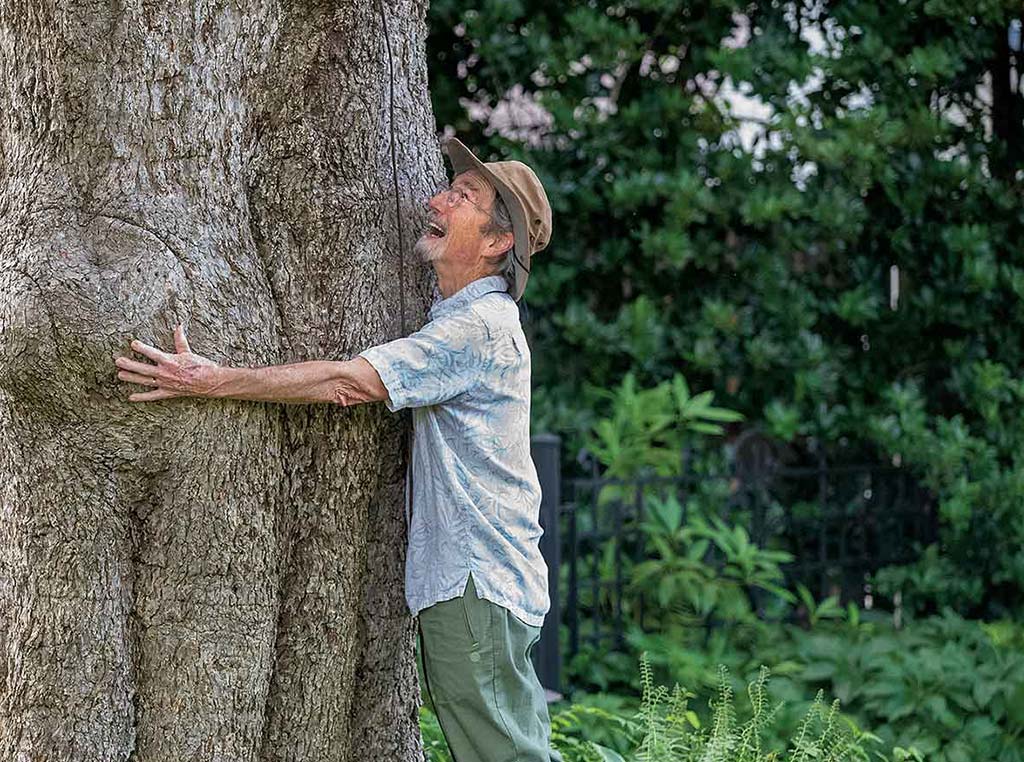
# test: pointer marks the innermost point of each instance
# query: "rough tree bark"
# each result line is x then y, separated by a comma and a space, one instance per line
204, 580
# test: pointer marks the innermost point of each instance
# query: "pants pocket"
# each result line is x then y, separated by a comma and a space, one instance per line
467, 593
534, 640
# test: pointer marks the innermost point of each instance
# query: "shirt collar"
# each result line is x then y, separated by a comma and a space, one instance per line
468, 293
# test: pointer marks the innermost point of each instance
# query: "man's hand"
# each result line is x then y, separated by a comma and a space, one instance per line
183, 374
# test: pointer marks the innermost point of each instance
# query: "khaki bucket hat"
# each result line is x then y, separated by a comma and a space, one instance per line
520, 189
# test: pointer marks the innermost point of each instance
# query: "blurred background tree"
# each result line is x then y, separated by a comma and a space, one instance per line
813, 209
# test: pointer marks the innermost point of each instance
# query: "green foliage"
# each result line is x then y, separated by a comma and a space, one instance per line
931, 578
697, 578
944, 688
664, 728
973, 465
760, 257
828, 609
589, 733
666, 731
646, 429
434, 744
944, 684
678, 578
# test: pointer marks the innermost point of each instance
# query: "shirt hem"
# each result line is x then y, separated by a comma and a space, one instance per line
456, 591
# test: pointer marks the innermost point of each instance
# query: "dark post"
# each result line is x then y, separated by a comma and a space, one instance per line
546, 451
823, 519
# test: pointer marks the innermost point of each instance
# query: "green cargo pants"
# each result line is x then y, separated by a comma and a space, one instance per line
478, 674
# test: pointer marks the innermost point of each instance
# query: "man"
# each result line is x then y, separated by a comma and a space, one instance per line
474, 573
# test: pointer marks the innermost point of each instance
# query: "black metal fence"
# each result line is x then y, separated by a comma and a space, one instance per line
839, 522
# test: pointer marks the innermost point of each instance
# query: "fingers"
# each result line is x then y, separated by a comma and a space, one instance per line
151, 352
156, 394
137, 367
145, 374
180, 342
135, 378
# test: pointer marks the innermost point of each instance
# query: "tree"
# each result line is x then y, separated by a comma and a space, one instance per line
196, 579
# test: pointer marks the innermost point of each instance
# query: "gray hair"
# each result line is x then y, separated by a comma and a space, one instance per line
500, 222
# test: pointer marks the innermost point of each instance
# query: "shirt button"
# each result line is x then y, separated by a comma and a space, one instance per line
474, 657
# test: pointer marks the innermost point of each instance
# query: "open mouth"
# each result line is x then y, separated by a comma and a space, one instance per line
433, 230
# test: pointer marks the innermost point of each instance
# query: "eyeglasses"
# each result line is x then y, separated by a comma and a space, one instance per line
455, 196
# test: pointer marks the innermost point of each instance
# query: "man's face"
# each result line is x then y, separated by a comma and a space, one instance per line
453, 233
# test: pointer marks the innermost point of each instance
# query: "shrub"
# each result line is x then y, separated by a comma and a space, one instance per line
666, 729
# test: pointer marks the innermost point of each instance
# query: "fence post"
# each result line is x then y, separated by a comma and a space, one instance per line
546, 452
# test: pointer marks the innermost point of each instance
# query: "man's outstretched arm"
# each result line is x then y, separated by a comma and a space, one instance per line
185, 374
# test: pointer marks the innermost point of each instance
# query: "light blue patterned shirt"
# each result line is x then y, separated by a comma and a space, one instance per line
475, 498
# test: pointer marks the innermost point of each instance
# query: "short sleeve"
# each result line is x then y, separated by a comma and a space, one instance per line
436, 363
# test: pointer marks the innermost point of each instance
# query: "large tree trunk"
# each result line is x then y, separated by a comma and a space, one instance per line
191, 579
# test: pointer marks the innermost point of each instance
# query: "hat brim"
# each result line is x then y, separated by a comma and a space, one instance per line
463, 160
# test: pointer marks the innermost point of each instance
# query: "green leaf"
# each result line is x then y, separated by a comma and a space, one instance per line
605, 754
704, 428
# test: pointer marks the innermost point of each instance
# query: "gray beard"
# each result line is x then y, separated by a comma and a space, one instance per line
424, 251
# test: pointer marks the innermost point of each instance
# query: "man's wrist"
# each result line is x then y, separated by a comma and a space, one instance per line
220, 381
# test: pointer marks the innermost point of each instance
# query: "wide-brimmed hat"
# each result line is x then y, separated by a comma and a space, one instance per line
523, 194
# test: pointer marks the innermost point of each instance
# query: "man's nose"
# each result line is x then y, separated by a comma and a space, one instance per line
436, 202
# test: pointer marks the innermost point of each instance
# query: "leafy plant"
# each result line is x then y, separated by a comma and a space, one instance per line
680, 577
645, 430
943, 685
826, 609
669, 730
972, 465
588, 733
434, 745
943, 688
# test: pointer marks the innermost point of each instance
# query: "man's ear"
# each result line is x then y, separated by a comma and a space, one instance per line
502, 242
